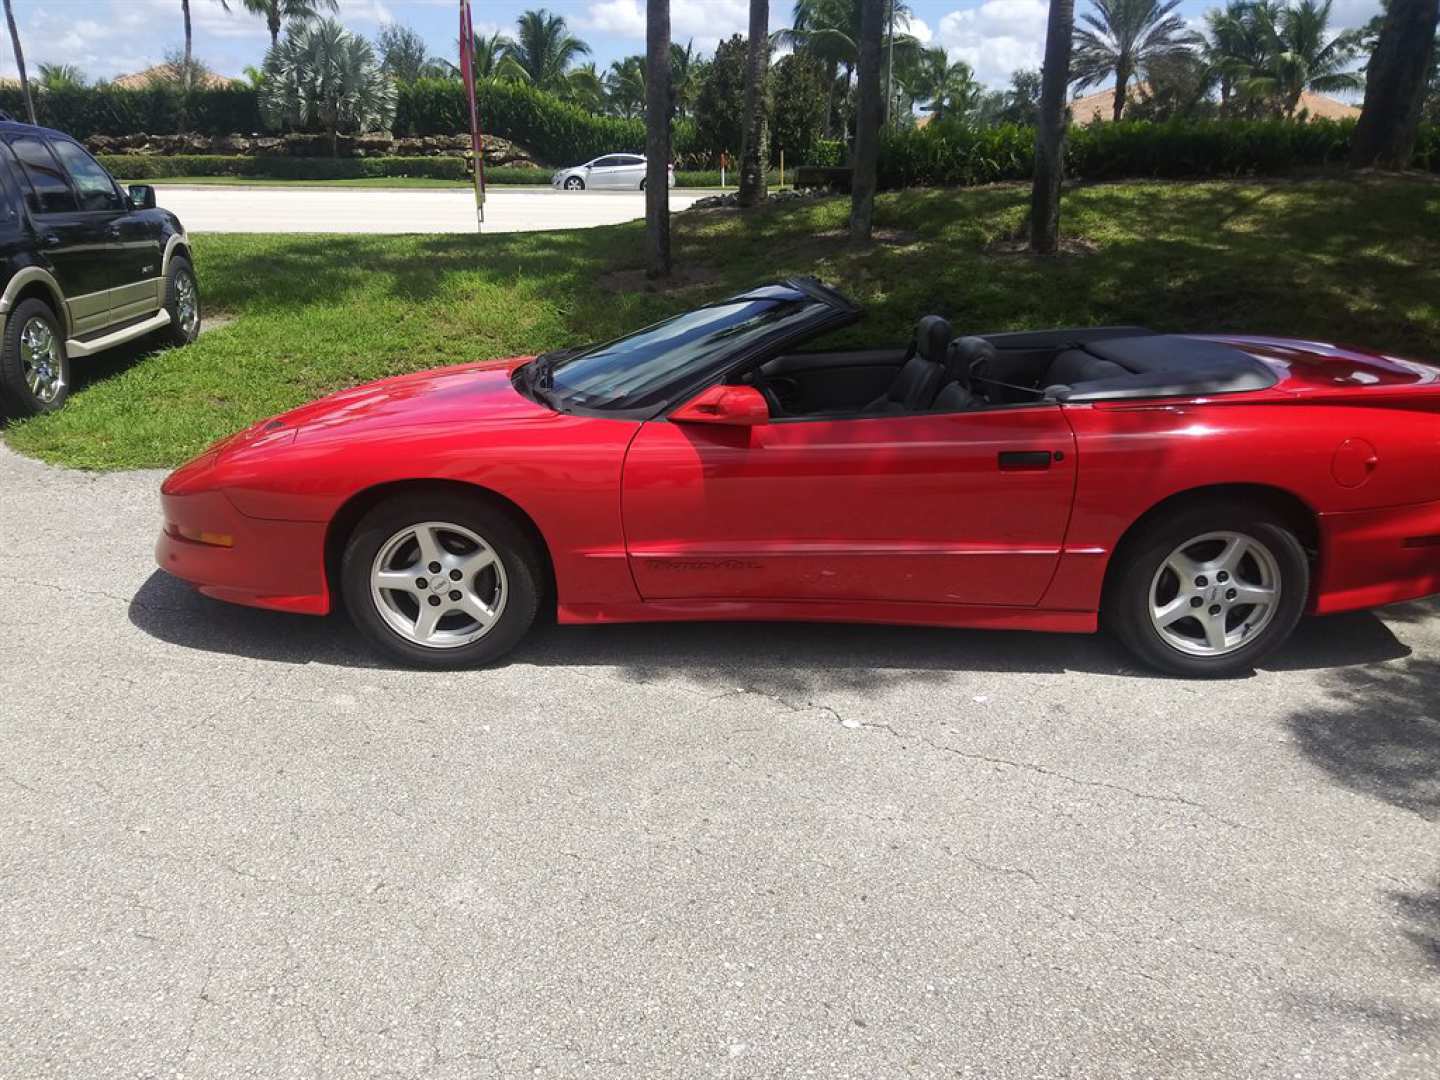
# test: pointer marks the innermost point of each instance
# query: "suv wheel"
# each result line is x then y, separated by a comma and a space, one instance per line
34, 370
182, 301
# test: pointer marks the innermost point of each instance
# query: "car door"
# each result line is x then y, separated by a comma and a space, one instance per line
630, 172
72, 240
133, 237
603, 172
963, 508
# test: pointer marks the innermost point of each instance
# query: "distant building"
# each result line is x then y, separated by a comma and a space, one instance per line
1101, 106
163, 73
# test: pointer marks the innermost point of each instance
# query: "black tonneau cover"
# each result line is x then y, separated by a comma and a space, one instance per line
1168, 365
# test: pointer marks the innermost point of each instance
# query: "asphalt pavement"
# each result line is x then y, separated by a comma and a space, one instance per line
408, 210
233, 845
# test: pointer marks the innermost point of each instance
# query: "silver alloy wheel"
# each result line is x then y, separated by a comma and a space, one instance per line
187, 302
40, 360
438, 584
574, 183
1215, 593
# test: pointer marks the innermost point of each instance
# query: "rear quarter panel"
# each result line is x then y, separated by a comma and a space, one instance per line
1131, 457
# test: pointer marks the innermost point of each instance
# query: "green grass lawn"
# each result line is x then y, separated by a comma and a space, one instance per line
1354, 261
541, 178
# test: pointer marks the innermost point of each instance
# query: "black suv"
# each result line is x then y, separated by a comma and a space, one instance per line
84, 266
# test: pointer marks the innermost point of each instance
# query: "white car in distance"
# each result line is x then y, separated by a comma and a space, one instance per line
611, 172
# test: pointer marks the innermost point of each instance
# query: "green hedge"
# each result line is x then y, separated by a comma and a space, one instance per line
950, 153
154, 110
146, 167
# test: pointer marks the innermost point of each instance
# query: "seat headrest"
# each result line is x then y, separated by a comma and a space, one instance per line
932, 337
964, 356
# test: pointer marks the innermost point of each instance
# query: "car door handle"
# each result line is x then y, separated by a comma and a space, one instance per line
50, 239
113, 232
1024, 460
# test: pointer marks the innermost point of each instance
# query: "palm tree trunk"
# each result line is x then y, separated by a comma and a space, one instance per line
867, 123
1395, 86
272, 22
657, 137
20, 62
185, 75
1050, 130
831, 74
1122, 88
753, 135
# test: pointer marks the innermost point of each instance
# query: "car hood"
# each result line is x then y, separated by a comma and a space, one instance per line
466, 394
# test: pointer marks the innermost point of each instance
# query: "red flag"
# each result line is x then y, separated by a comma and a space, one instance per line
467, 74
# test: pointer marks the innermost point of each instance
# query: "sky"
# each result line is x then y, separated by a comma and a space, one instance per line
106, 38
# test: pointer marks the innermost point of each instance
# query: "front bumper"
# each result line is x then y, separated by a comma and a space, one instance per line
1373, 557
268, 564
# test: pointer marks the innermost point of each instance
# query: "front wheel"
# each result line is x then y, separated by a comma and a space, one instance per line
1211, 591
441, 581
574, 183
182, 301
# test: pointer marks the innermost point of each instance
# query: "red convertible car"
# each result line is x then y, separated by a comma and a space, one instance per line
1197, 495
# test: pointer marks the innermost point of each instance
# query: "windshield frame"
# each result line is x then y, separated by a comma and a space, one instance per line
827, 309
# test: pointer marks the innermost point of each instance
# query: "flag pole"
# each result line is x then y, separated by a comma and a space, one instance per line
477, 144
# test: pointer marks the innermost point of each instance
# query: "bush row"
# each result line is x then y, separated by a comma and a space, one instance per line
947, 153
163, 109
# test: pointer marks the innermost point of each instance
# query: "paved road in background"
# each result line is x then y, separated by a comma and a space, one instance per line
231, 845
351, 210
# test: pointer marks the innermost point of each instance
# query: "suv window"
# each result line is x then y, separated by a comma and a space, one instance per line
51, 192
97, 190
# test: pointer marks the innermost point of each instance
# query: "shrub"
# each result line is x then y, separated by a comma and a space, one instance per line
145, 167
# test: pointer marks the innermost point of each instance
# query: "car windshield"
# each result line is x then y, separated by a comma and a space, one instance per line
635, 371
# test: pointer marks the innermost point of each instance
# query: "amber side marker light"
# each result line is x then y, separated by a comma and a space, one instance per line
200, 536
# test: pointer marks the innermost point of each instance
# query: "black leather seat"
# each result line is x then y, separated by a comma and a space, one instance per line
921, 374
1077, 366
964, 356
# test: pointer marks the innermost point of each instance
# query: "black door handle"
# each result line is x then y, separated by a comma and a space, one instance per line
1024, 460
50, 239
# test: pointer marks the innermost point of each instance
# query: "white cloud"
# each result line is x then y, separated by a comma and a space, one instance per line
364, 11
704, 21
996, 38
917, 28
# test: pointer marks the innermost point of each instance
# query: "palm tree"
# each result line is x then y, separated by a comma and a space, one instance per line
493, 62
657, 136
754, 139
1302, 55
321, 75
1122, 38
1050, 129
584, 86
947, 86
61, 77
867, 122
545, 48
20, 61
1399, 69
1235, 45
625, 86
685, 68
279, 12
403, 54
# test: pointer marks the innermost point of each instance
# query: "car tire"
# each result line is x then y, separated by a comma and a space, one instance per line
574, 183
182, 301
642, 183
465, 533
1178, 596
34, 368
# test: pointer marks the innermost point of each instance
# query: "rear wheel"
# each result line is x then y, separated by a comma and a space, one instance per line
441, 581
1210, 591
182, 301
34, 370
642, 183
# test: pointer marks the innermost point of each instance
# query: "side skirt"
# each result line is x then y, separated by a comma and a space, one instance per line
897, 614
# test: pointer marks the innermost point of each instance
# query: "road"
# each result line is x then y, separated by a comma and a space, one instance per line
409, 210
232, 845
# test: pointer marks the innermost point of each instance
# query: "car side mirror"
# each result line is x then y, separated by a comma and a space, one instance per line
142, 197
731, 406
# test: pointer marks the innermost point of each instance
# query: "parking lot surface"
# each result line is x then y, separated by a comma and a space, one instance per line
410, 210
233, 845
